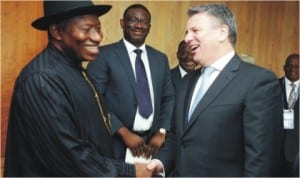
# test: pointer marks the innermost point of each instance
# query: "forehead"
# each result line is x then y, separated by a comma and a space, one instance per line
200, 20
293, 60
135, 12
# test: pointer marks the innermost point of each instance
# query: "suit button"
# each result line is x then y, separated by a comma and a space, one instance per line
183, 144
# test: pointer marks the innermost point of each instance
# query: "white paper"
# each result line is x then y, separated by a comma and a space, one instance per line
129, 158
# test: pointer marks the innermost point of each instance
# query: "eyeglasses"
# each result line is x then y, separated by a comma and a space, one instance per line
133, 20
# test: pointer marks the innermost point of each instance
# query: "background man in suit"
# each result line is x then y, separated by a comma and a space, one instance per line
185, 64
291, 125
116, 77
236, 128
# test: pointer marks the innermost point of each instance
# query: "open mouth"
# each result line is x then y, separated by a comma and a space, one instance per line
193, 48
92, 48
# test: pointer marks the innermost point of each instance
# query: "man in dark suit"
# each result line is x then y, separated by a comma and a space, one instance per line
235, 129
291, 124
185, 64
116, 77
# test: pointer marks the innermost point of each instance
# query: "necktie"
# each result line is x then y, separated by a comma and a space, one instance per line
203, 87
143, 92
293, 96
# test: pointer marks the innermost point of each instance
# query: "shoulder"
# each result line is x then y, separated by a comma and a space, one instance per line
110, 46
256, 71
175, 69
152, 51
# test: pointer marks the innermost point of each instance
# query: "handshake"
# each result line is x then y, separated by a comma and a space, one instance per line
139, 153
153, 168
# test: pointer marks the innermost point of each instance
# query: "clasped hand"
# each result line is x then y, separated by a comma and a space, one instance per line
139, 148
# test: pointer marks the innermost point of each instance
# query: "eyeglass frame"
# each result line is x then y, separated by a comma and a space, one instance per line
134, 20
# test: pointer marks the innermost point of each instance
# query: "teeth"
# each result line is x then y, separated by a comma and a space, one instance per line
91, 46
195, 47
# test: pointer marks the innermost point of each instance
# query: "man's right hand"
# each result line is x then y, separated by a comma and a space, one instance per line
142, 171
156, 167
134, 142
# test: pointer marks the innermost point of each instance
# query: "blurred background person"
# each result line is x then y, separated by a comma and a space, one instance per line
185, 64
290, 87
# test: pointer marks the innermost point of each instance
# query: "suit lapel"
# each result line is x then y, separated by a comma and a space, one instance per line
189, 94
284, 96
226, 75
124, 59
155, 73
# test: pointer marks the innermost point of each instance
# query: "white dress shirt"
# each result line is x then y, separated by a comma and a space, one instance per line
140, 123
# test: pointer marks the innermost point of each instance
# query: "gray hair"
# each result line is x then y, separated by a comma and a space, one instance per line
222, 13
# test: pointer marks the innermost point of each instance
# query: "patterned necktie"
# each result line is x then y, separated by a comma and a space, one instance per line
293, 96
203, 87
143, 92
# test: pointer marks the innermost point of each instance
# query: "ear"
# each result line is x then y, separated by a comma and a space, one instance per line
224, 33
177, 54
122, 23
54, 31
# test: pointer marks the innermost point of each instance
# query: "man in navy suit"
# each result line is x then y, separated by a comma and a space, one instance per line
291, 145
185, 64
115, 76
235, 129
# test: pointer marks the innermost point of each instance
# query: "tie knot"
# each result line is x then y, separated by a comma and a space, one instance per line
138, 51
293, 85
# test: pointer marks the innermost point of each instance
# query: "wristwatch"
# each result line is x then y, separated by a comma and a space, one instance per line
162, 131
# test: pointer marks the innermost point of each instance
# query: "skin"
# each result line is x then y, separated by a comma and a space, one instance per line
291, 69
79, 38
207, 38
136, 26
185, 58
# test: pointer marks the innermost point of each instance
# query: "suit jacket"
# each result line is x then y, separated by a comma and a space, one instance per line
114, 78
176, 77
236, 129
291, 136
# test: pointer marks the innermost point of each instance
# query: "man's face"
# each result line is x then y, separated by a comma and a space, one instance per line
81, 37
203, 36
136, 26
291, 69
185, 58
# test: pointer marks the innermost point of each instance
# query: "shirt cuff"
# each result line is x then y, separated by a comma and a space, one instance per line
163, 172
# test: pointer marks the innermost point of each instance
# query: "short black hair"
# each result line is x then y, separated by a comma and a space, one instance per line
292, 56
136, 6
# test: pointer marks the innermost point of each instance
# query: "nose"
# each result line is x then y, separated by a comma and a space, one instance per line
96, 35
188, 37
138, 24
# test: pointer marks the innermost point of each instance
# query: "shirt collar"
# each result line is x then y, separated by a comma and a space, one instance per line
130, 47
223, 61
287, 81
182, 71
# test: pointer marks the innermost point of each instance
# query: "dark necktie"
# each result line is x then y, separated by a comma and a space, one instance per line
142, 87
